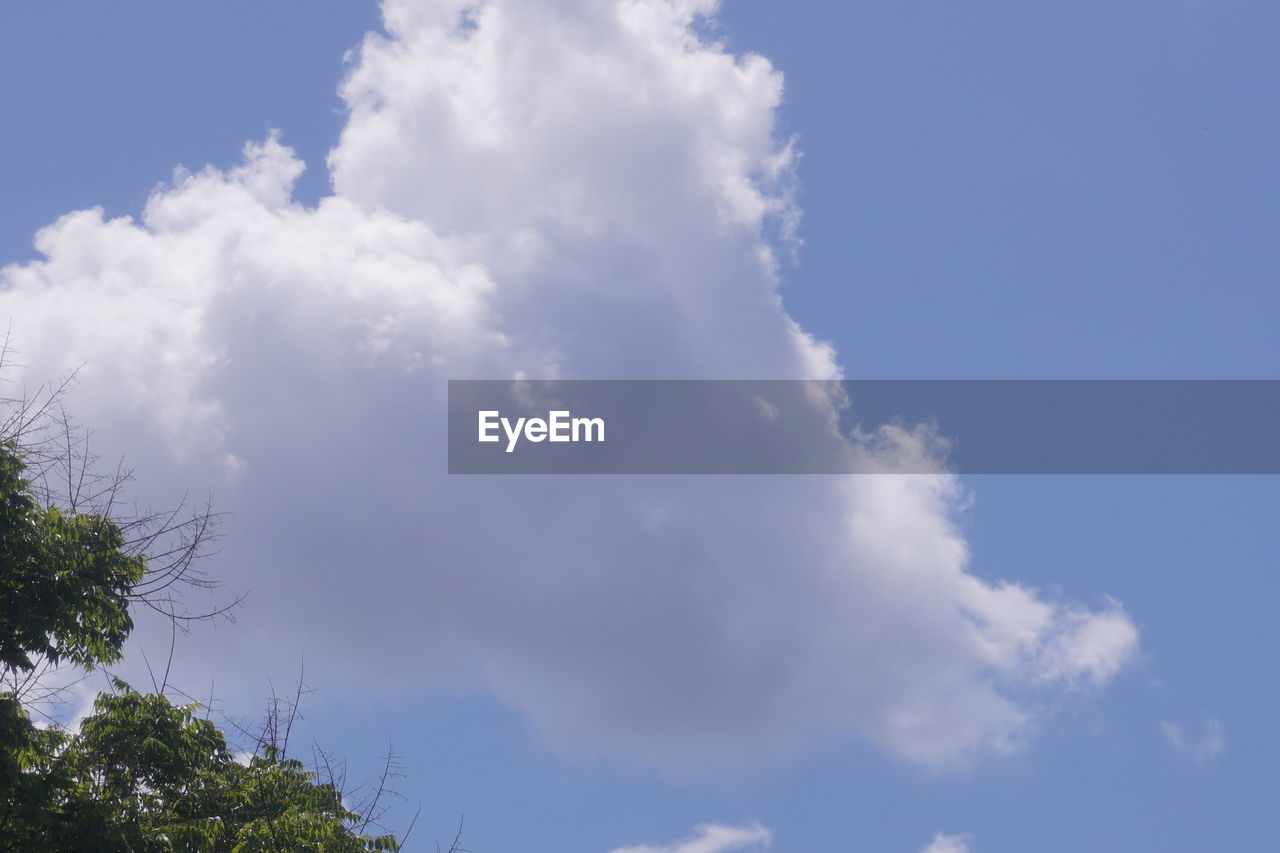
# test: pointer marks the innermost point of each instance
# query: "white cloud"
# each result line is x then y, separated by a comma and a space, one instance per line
1091, 646
564, 189
711, 838
947, 844
718, 838
1211, 743
57, 697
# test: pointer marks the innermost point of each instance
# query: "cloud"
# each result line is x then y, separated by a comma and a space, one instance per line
1211, 743
718, 838
1092, 646
947, 844
57, 697
547, 189
712, 838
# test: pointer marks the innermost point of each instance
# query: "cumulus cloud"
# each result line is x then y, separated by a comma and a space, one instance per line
557, 188
711, 838
947, 844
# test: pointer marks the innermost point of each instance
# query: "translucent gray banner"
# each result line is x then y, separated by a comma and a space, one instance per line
864, 426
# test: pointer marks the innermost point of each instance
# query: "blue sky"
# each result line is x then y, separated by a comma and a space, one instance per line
989, 190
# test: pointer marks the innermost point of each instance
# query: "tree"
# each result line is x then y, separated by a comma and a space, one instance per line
63, 487
145, 775
141, 774
65, 579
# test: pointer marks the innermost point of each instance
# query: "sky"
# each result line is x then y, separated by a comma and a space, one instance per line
664, 188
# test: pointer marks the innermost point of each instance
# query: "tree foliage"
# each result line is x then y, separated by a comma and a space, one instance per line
145, 775
141, 774
65, 579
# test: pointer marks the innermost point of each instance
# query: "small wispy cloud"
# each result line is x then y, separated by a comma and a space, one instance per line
947, 844
1209, 745
712, 838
